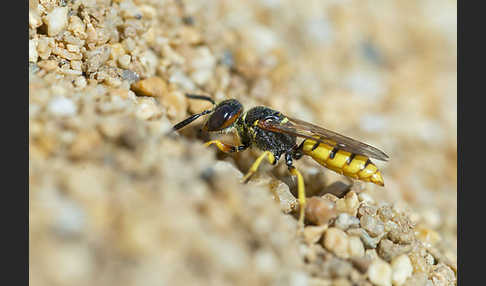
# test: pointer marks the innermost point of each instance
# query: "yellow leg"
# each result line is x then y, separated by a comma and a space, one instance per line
301, 193
221, 146
256, 164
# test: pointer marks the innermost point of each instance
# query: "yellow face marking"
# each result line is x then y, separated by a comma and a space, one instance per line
255, 123
285, 120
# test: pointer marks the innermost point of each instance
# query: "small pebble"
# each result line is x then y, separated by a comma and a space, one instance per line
203, 64
116, 51
366, 198
361, 263
62, 106
418, 279
366, 210
149, 61
77, 27
372, 225
380, 273
402, 269
355, 247
340, 282
312, 234
401, 236
96, 58
56, 20
147, 109
76, 65
348, 204
330, 197
443, 275
336, 241
389, 250
428, 236
339, 267
371, 254
345, 221
152, 86
319, 211
385, 213
33, 55
418, 262
85, 142
44, 47
368, 241
130, 76
71, 218
34, 19
282, 192
176, 104
124, 61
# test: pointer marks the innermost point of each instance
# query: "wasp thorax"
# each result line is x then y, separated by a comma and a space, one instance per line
224, 115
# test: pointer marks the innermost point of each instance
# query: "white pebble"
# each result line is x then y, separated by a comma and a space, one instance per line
70, 219
62, 106
33, 51
366, 198
179, 78
56, 20
34, 19
336, 241
345, 221
380, 273
124, 61
402, 269
146, 109
203, 65
149, 60
348, 204
355, 247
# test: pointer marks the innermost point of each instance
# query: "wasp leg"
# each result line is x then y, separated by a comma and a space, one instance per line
256, 164
300, 188
226, 147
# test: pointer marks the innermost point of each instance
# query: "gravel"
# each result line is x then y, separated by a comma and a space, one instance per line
115, 200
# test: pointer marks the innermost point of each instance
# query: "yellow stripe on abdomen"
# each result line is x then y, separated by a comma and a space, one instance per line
343, 162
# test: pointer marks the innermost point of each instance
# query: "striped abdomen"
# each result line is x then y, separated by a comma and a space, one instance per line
343, 162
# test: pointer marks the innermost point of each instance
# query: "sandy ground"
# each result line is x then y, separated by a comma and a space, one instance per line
114, 201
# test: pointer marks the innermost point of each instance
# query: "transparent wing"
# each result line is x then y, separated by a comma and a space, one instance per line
308, 130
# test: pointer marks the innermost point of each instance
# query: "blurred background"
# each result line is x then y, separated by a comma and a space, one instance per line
114, 201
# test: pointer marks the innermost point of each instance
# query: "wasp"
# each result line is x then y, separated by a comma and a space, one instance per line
276, 135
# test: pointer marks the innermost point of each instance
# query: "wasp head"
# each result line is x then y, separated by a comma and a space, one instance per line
224, 115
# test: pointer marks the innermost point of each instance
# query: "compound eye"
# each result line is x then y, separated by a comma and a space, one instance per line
224, 115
